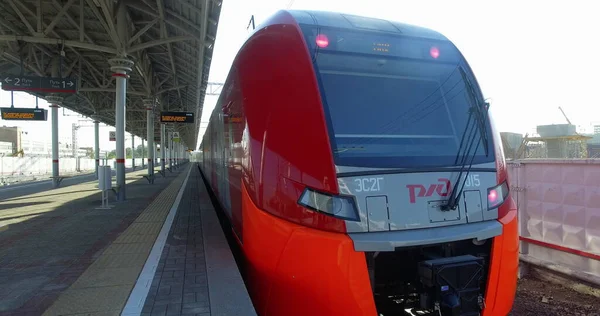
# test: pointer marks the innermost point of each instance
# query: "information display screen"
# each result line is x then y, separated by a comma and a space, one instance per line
177, 117
24, 114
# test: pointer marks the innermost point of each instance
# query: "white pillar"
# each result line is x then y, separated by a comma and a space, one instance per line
176, 153
120, 67
170, 138
132, 152
163, 150
97, 145
150, 134
55, 102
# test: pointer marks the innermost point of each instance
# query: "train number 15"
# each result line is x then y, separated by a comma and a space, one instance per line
368, 184
472, 180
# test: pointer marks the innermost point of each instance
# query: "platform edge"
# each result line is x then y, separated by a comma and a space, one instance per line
137, 297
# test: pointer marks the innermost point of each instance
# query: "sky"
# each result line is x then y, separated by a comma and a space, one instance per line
42, 130
530, 57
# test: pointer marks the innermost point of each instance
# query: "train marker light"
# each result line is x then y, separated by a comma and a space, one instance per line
322, 40
434, 52
497, 195
493, 196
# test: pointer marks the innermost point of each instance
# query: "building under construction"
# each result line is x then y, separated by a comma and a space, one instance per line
551, 141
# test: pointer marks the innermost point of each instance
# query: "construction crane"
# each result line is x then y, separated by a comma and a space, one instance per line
563, 113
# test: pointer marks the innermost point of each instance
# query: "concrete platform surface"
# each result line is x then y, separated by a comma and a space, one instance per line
56, 241
197, 273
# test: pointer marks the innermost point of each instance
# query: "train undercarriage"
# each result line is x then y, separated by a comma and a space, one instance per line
443, 279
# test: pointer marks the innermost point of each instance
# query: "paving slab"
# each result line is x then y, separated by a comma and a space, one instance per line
180, 286
49, 239
197, 274
99, 289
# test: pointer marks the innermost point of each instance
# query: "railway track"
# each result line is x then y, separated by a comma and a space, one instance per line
537, 297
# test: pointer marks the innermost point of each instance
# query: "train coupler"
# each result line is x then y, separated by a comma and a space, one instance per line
453, 285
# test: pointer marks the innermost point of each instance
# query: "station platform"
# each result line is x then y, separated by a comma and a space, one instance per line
160, 252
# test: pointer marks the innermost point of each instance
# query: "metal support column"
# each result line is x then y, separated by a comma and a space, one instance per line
55, 102
143, 155
120, 67
150, 135
170, 139
163, 150
174, 153
97, 145
132, 152
55, 166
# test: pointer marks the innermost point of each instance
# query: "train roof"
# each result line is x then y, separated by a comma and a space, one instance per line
349, 21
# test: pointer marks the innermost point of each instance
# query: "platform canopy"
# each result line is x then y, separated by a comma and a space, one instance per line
169, 41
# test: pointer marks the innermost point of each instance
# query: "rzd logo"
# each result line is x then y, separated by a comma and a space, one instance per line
433, 188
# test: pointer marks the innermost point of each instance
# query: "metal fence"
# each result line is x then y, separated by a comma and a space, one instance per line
559, 211
23, 169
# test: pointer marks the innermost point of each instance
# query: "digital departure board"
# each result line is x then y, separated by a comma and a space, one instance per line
176, 117
24, 114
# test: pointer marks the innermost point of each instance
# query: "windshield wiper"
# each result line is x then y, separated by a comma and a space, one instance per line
480, 119
481, 115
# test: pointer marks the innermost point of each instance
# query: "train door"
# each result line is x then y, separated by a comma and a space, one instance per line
226, 164
214, 158
222, 174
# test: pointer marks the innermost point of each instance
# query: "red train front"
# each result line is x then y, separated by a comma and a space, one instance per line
361, 173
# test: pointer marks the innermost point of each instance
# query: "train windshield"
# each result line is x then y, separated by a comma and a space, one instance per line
391, 101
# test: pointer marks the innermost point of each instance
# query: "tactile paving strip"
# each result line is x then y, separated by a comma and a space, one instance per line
103, 289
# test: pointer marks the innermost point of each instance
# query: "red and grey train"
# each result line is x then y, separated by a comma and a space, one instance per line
361, 173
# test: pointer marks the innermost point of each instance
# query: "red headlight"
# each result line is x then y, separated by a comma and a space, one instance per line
322, 40
497, 195
434, 52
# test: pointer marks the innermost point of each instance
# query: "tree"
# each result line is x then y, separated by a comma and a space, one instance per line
139, 151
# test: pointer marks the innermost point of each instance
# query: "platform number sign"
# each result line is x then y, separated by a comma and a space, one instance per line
38, 84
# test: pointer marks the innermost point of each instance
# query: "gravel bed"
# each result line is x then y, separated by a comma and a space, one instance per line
535, 297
